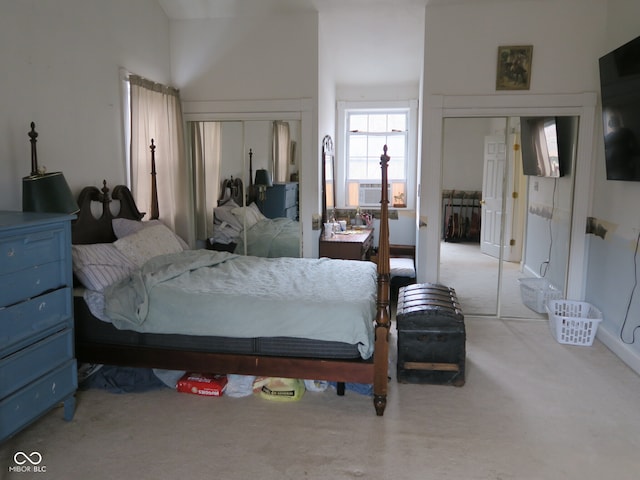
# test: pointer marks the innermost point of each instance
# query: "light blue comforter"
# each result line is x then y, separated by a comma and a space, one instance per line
274, 237
204, 292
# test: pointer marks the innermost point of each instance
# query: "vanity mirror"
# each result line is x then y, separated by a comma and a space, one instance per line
328, 186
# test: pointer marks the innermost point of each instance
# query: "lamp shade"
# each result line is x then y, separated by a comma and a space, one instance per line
263, 178
47, 193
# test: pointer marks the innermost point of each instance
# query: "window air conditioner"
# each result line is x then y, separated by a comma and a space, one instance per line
369, 194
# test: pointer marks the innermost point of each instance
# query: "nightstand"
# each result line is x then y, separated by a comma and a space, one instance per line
37, 364
349, 245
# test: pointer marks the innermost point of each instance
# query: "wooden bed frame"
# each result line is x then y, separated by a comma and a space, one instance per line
88, 229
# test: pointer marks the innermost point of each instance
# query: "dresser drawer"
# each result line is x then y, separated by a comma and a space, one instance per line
349, 246
291, 195
35, 245
25, 322
36, 399
367, 248
32, 282
31, 363
291, 213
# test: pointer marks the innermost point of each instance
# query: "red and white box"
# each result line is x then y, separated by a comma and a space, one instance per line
206, 384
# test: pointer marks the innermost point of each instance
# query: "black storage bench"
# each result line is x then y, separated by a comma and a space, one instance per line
431, 335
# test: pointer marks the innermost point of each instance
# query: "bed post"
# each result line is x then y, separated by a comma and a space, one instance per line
155, 213
383, 321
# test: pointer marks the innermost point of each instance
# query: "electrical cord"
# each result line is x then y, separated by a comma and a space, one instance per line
633, 291
544, 266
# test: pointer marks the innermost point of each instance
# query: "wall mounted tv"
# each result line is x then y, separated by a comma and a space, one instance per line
540, 149
620, 95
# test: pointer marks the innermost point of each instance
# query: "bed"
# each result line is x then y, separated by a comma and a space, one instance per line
285, 346
235, 226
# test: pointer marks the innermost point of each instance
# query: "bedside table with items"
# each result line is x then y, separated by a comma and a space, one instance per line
348, 245
37, 364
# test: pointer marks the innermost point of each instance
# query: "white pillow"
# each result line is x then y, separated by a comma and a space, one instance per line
251, 215
224, 215
148, 243
99, 265
123, 227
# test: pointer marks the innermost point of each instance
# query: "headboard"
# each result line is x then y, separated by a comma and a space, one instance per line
231, 190
89, 229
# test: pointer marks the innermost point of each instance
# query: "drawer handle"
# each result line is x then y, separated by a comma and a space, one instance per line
11, 252
42, 306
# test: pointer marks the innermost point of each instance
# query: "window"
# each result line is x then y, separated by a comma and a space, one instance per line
366, 130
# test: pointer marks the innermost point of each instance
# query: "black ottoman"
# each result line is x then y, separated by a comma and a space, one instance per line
431, 335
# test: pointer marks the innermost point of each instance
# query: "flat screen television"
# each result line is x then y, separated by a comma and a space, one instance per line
540, 147
620, 95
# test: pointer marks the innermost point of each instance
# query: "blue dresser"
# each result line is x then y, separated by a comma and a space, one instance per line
37, 364
281, 200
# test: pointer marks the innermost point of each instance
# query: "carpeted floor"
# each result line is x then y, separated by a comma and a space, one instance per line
531, 409
474, 276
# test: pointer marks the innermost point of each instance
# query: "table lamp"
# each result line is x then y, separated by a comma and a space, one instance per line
263, 180
45, 192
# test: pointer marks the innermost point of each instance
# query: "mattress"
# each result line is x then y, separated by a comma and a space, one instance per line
89, 329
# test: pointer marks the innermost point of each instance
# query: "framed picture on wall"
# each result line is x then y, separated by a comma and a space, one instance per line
514, 67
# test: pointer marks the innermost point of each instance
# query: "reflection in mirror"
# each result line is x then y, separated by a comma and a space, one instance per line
525, 221
247, 223
465, 227
205, 161
328, 186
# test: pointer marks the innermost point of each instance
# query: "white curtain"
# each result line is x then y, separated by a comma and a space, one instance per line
156, 113
205, 161
281, 151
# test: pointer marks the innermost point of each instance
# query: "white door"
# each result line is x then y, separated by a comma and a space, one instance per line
495, 163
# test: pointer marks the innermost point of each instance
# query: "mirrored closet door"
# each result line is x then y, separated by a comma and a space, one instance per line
250, 169
500, 225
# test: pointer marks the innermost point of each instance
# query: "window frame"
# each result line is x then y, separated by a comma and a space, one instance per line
344, 109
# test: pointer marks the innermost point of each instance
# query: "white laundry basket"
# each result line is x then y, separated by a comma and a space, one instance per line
573, 323
536, 292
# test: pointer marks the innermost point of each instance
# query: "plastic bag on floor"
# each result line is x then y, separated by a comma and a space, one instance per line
316, 385
279, 389
239, 385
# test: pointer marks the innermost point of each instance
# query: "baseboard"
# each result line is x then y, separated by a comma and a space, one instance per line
621, 350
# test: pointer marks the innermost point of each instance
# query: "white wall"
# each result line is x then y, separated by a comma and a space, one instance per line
374, 50
326, 93
262, 57
372, 54
461, 43
463, 152
261, 60
611, 275
568, 37
60, 69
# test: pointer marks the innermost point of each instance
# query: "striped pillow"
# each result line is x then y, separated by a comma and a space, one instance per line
99, 265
